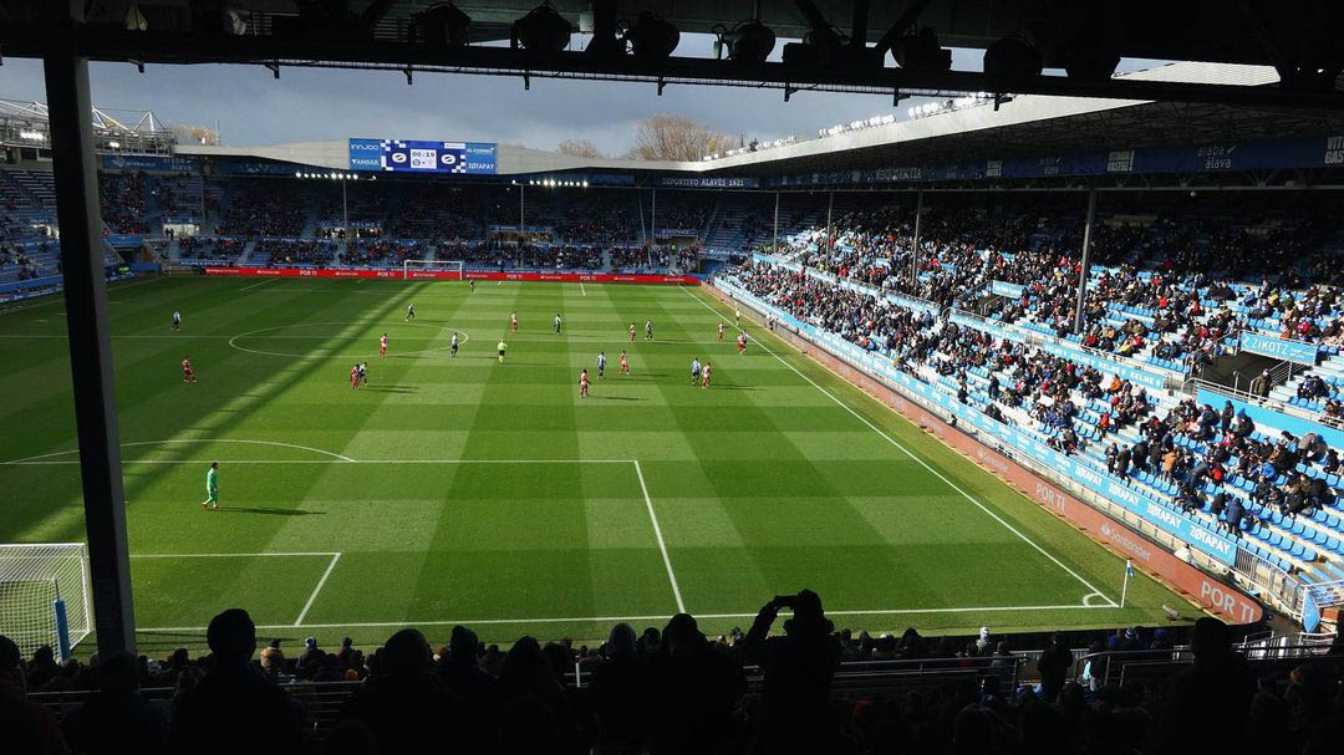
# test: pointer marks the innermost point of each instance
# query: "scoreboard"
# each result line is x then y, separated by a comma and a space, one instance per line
410, 156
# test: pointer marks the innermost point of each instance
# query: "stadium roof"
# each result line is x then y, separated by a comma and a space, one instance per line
1087, 40
1023, 125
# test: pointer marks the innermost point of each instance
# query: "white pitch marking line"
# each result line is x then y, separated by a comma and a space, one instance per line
255, 285
270, 554
612, 619
37, 462
658, 533
918, 460
182, 441
582, 290
334, 558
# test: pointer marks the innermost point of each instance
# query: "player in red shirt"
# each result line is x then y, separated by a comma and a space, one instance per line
513, 321
583, 384
382, 347
632, 332
720, 330
704, 375
741, 343
625, 364
354, 377
188, 375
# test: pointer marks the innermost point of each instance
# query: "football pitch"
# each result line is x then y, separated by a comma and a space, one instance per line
465, 490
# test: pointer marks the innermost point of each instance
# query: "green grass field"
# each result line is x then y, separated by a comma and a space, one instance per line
467, 491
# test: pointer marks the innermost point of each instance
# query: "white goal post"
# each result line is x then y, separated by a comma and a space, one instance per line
452, 270
44, 596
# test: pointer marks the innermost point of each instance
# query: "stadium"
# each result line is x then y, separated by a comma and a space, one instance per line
1007, 419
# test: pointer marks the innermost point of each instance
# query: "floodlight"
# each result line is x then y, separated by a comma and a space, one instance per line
750, 43
442, 25
542, 30
652, 39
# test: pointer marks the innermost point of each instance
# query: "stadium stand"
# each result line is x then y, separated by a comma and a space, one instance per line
812, 689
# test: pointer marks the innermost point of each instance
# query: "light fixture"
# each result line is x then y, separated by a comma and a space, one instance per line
651, 38
114, 144
442, 25
1012, 62
921, 52
750, 43
32, 136
542, 30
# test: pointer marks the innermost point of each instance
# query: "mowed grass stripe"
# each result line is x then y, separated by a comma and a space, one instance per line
514, 544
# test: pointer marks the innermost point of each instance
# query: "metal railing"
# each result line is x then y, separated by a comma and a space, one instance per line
1264, 657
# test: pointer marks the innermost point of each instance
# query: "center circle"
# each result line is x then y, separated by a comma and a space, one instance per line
322, 353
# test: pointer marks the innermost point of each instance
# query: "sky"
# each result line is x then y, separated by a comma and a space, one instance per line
252, 108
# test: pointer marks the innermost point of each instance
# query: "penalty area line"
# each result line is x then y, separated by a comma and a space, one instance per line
320, 583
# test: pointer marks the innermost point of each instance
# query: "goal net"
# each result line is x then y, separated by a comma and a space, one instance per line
44, 596
442, 270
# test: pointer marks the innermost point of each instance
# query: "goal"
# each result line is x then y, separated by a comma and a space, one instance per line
44, 596
442, 270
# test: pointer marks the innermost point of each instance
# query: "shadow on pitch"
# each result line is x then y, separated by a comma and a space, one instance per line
390, 388
617, 398
266, 512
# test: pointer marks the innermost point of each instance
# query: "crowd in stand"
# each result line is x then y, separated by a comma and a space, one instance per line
378, 252
264, 208
123, 201
276, 252
677, 691
217, 250
15, 258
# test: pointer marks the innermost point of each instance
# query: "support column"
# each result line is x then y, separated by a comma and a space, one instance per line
830, 229
653, 221
345, 210
70, 113
774, 239
1079, 321
522, 224
914, 246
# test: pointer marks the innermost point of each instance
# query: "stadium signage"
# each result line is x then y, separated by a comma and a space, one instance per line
1334, 151
709, 182
411, 156
1004, 288
480, 275
996, 456
1269, 420
876, 367
1279, 348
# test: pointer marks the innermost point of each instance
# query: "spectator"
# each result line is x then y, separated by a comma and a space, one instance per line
118, 718
25, 727
406, 704
234, 708
799, 667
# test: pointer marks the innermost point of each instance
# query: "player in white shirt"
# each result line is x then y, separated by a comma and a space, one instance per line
453, 346
601, 363
556, 323
177, 320
410, 312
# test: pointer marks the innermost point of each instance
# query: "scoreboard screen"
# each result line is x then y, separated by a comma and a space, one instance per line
395, 155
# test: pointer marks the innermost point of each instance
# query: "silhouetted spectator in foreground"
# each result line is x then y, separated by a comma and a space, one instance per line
1207, 704
24, 727
696, 688
406, 704
117, 718
476, 692
620, 695
235, 709
1055, 663
799, 667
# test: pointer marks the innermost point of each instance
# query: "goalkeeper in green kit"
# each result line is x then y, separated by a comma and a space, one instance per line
211, 487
